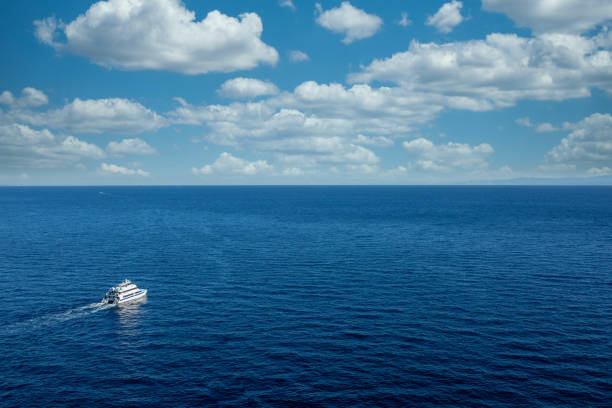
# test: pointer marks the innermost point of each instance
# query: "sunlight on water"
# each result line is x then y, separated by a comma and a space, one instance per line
129, 313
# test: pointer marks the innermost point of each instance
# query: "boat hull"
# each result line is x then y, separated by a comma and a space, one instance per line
129, 299
132, 298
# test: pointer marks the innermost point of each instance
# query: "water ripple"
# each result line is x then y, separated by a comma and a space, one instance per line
397, 296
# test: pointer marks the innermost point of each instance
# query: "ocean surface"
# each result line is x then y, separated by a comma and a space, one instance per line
307, 296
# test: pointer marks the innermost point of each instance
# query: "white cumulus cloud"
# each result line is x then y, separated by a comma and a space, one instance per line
567, 16
7, 98
22, 146
316, 124
226, 164
589, 142
447, 17
383, 110
113, 115
373, 141
310, 151
160, 35
599, 171
30, 98
247, 88
353, 23
114, 169
292, 171
130, 146
446, 157
21, 135
72, 145
497, 71
546, 127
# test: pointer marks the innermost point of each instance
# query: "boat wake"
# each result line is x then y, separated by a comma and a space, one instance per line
55, 318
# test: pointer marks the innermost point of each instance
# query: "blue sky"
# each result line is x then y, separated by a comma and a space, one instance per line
304, 92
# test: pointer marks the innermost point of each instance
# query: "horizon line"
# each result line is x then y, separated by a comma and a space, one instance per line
304, 185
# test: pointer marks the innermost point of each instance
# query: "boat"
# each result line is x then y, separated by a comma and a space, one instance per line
124, 292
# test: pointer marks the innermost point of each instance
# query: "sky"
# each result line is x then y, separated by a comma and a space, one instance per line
170, 92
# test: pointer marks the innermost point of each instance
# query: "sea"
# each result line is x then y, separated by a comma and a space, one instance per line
339, 296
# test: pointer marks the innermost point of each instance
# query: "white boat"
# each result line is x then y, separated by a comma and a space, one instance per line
124, 292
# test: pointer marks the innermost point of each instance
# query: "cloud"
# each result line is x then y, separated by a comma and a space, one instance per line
496, 72
21, 135
567, 16
296, 139
130, 146
602, 171
446, 157
247, 88
287, 4
226, 164
46, 30
373, 141
292, 171
7, 98
447, 17
363, 168
404, 21
539, 127
321, 126
22, 146
114, 115
398, 171
160, 35
546, 127
381, 110
298, 56
314, 150
314, 109
589, 142
78, 148
316, 124
123, 171
353, 23
30, 98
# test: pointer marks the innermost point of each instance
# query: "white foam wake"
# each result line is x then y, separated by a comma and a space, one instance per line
80, 312
54, 318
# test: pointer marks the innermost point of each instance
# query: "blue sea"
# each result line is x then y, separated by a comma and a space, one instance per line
307, 296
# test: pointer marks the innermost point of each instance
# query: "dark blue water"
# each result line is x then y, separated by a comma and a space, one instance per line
310, 296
